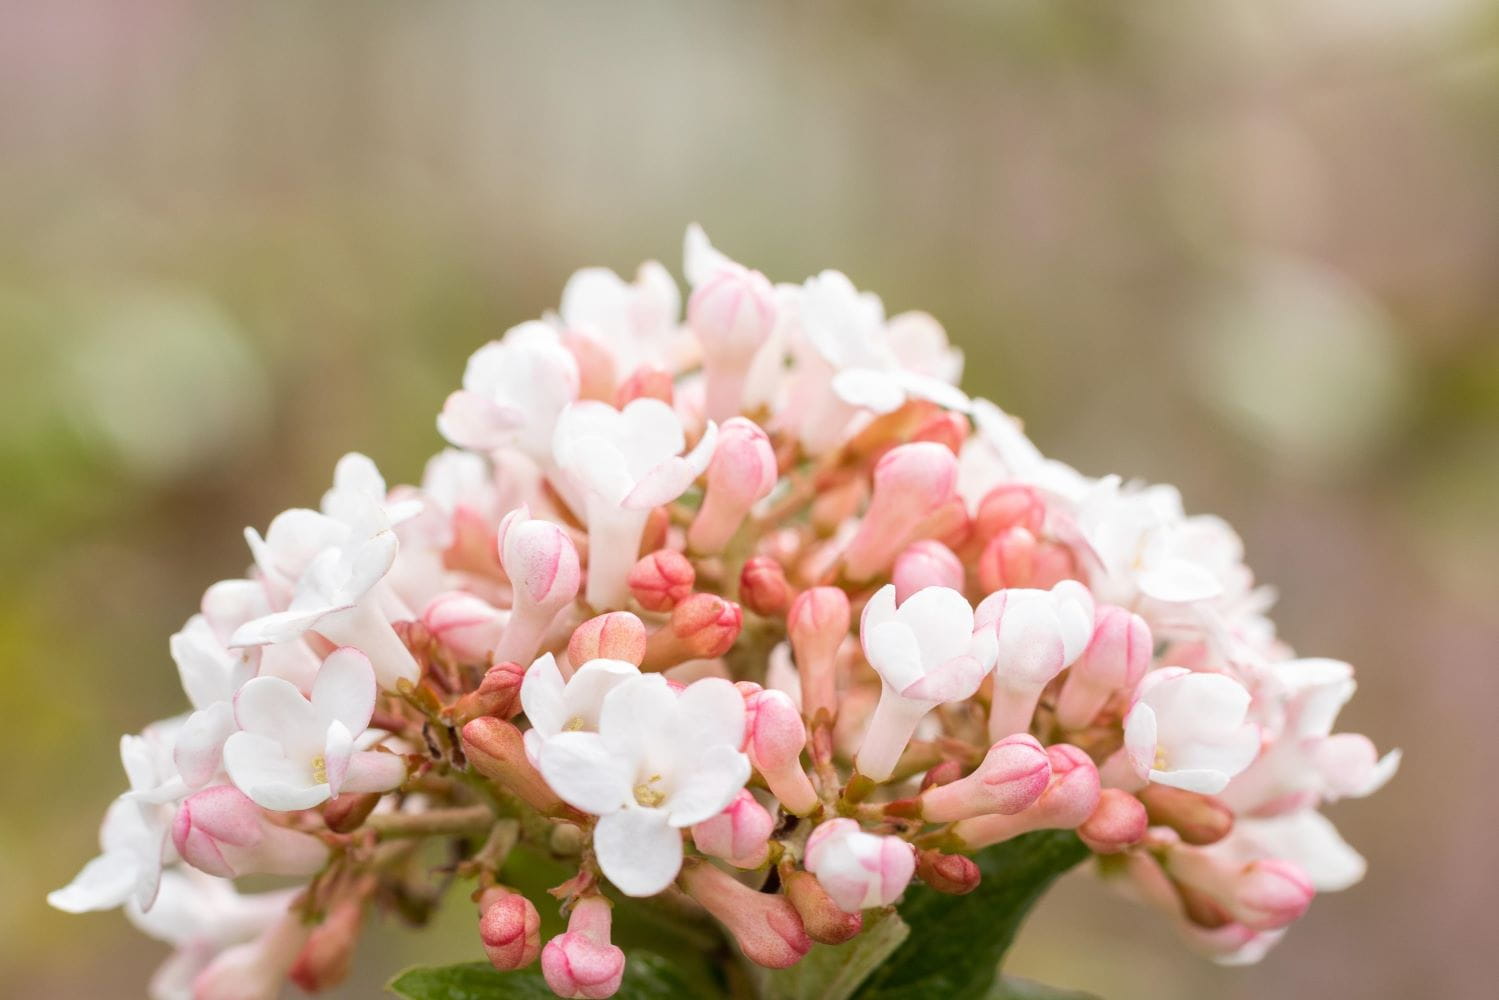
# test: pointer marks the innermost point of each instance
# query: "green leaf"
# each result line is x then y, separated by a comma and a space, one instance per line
834, 972
956, 942
647, 977
1012, 988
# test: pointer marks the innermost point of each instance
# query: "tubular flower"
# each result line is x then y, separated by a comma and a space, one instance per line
734, 599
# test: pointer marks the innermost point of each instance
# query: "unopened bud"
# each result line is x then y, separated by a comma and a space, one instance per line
646, 382
739, 835
325, 959
498, 694
926, 564
742, 473
1013, 775
1066, 804
944, 773
767, 926
1198, 819
817, 624
944, 427
347, 812
496, 750
1016, 558
1117, 656
584, 963
701, 627
954, 874
660, 580
596, 373
911, 482
763, 587
220, 831
775, 738
510, 928
732, 312
1118, 821
542, 564
468, 627
825, 921
859, 869
616, 635
1010, 506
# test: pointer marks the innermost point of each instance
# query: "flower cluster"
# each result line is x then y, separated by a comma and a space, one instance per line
750, 608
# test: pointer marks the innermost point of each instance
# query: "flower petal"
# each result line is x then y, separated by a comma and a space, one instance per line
638, 851
585, 773
345, 689
713, 778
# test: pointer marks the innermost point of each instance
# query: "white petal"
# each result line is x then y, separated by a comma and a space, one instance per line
713, 778
345, 689
275, 709
585, 773
708, 713
258, 768
104, 883
637, 717
541, 696
638, 851
895, 654
874, 390
199, 749
942, 621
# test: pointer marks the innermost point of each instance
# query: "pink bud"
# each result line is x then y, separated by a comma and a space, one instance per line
324, 960
1010, 506
775, 738
496, 749
615, 635
256, 969
1116, 658
766, 925
910, 482
645, 382
1263, 895
468, 627
742, 473
926, 564
1198, 819
220, 831
953, 874
347, 812
702, 627
1016, 558
943, 774
542, 564
583, 962
732, 313
1013, 775
944, 427
510, 928
825, 920
498, 694
739, 835
859, 869
1118, 821
763, 587
1068, 801
817, 624
659, 580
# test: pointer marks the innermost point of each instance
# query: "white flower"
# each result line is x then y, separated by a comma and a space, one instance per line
1305, 837
200, 916
1187, 730
926, 652
659, 763
1038, 634
554, 706
624, 462
634, 322
357, 485
295, 753
513, 390
211, 676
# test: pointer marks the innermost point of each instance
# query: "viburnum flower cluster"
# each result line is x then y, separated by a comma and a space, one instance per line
750, 609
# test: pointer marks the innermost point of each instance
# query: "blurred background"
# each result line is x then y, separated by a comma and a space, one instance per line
1248, 247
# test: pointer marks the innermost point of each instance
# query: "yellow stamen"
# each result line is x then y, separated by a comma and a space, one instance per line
647, 794
320, 770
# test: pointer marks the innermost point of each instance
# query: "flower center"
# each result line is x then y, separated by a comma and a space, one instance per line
574, 724
647, 794
320, 769
1160, 759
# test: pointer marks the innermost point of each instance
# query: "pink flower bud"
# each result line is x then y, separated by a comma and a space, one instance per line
825, 920
510, 928
542, 564
498, 694
1066, 804
347, 812
954, 874
702, 626
1262, 895
658, 581
763, 587
468, 627
583, 963
616, 635
1116, 658
497, 750
220, 831
910, 482
943, 427
742, 473
1010, 506
942, 774
817, 624
767, 926
732, 312
1118, 821
775, 738
1013, 775
256, 969
1198, 819
324, 960
645, 382
739, 835
859, 869
1016, 558
926, 564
